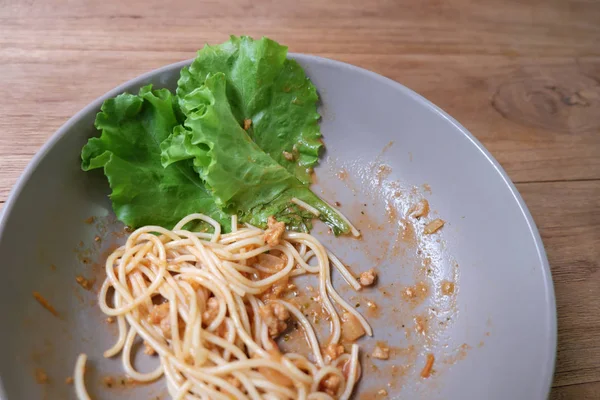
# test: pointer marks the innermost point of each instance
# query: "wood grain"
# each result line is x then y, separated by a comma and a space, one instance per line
586, 391
568, 217
523, 76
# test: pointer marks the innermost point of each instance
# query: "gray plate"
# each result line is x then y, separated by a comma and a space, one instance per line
493, 338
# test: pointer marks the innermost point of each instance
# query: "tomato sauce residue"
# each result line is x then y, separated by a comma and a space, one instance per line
418, 282
458, 355
87, 284
447, 288
41, 377
416, 294
111, 382
387, 147
428, 368
372, 311
421, 324
45, 304
383, 171
110, 235
342, 174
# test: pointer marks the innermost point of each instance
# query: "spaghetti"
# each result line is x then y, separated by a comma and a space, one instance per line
211, 305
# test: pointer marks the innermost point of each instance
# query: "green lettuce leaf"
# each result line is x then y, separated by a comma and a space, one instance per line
241, 177
271, 91
143, 192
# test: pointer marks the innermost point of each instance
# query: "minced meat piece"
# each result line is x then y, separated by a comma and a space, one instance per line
160, 316
211, 312
333, 351
381, 352
275, 316
420, 209
368, 278
433, 226
330, 385
274, 231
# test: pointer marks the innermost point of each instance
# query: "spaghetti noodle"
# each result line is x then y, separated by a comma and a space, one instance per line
211, 305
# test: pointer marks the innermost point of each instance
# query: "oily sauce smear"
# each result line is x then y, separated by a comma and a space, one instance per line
418, 282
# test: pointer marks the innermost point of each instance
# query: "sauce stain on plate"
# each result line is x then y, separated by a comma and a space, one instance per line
414, 302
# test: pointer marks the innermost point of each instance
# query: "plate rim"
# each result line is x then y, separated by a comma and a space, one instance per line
547, 367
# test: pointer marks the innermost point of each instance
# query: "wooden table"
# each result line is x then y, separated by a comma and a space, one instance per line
523, 76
